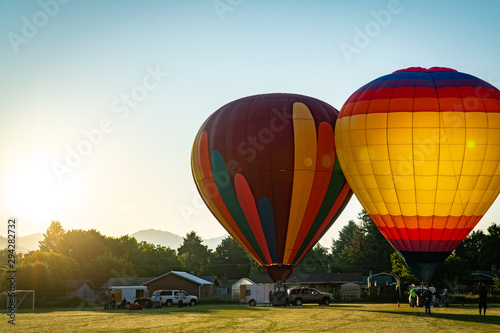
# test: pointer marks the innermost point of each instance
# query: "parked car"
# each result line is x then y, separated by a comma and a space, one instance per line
169, 297
299, 296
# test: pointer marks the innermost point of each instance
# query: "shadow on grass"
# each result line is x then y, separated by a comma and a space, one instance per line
495, 320
200, 308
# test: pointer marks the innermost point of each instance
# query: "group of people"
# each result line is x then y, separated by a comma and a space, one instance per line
109, 301
427, 296
279, 298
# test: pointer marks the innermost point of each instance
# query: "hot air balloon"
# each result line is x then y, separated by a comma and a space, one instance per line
420, 149
265, 166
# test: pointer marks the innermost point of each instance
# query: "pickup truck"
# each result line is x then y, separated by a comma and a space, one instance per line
169, 297
299, 296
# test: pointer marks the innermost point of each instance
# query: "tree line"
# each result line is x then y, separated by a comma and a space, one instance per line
360, 247
87, 254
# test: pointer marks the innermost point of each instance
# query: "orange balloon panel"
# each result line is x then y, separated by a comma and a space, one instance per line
420, 148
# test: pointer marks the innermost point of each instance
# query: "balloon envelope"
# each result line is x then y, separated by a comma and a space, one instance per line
265, 166
420, 148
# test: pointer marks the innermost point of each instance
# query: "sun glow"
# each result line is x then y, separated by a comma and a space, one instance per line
33, 191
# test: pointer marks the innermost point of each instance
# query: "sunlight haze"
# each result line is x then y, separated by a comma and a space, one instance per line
101, 100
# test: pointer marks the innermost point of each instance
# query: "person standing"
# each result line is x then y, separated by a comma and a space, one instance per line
106, 301
113, 301
483, 296
413, 297
180, 298
427, 300
446, 298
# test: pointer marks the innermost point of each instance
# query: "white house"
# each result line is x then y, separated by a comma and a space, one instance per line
83, 288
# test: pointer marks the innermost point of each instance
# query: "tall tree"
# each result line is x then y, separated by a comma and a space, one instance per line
362, 247
83, 245
399, 268
61, 267
155, 260
317, 260
230, 260
194, 256
453, 272
51, 237
470, 249
30, 276
345, 237
480, 250
490, 251
99, 269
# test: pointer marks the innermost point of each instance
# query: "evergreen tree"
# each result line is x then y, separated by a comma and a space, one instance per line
194, 256
52, 237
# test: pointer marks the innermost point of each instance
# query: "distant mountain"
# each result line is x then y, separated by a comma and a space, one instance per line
171, 240
24, 244
156, 237
213, 242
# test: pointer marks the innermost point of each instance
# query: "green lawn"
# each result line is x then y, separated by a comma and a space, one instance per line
355, 317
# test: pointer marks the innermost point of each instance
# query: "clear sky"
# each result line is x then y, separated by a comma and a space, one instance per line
127, 84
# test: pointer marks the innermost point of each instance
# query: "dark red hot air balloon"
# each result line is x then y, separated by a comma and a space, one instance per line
265, 165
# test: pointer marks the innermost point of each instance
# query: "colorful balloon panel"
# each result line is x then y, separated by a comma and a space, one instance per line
266, 167
421, 150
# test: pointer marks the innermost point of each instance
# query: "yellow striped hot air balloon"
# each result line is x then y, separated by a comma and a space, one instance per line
420, 148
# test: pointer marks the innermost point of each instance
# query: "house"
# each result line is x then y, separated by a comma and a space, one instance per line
128, 281
485, 277
83, 288
216, 283
327, 282
230, 288
192, 284
235, 287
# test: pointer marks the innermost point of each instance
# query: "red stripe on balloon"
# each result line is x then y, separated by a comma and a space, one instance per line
425, 233
247, 203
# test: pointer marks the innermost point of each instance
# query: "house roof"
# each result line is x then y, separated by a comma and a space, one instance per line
311, 278
212, 278
129, 281
230, 282
485, 275
184, 275
78, 283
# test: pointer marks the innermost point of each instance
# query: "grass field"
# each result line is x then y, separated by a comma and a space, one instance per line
356, 317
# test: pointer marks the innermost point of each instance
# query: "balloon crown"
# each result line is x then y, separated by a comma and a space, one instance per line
429, 70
